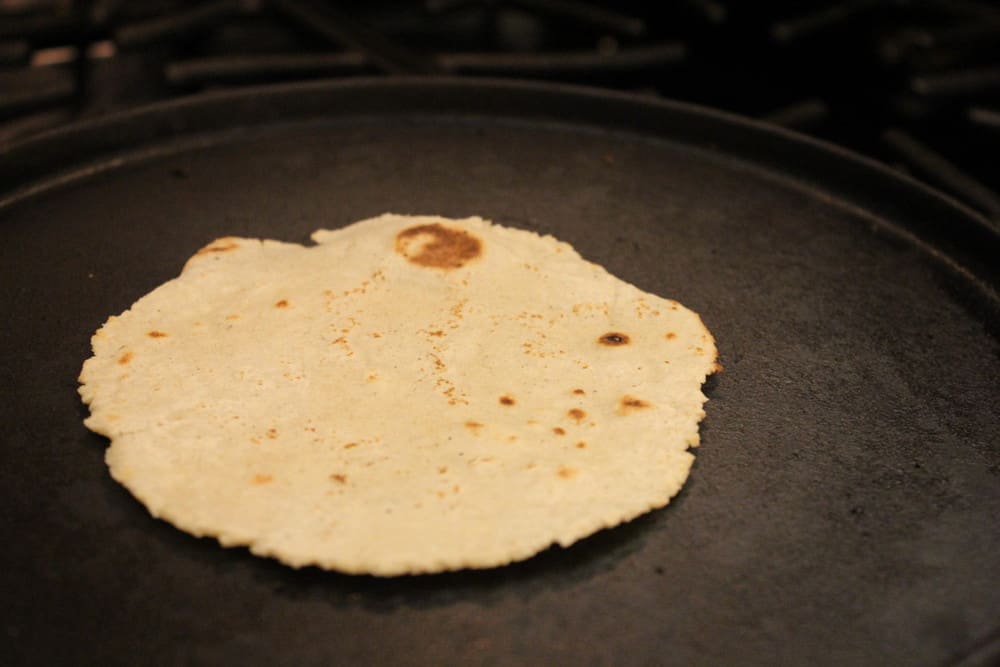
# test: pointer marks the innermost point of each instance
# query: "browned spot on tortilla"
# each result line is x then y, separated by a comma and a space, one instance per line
262, 479
442, 470
272, 433
579, 392
566, 472
450, 393
577, 414
559, 431
507, 399
337, 477
234, 316
671, 335
156, 334
437, 333
581, 445
125, 358
473, 426
628, 404
437, 246
282, 304
219, 245
350, 445
614, 338
718, 368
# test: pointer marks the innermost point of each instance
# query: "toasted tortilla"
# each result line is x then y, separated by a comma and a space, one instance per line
410, 395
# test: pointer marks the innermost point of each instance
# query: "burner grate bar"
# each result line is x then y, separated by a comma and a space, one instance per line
939, 169
807, 114
819, 21
177, 24
985, 117
554, 63
957, 82
343, 31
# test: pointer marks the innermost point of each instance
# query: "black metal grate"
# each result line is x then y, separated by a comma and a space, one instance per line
913, 83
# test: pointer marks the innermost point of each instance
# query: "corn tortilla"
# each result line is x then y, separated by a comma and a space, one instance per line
412, 394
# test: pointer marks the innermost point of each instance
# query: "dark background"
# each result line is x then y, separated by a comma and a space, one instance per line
913, 83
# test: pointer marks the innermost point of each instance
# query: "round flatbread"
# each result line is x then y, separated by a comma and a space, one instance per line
409, 395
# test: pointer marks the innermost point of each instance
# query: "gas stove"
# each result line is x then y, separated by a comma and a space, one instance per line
914, 84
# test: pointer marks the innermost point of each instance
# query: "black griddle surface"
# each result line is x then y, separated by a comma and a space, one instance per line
845, 501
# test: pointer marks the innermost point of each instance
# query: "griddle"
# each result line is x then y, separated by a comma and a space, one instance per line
845, 501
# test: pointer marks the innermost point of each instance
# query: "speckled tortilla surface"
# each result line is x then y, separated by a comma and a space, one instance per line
412, 394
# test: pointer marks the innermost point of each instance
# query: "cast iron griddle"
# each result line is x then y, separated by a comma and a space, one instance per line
845, 502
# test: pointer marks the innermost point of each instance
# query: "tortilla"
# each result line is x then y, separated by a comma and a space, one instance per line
409, 395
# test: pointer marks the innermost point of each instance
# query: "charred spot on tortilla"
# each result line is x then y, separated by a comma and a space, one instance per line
219, 245
614, 338
629, 404
437, 246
